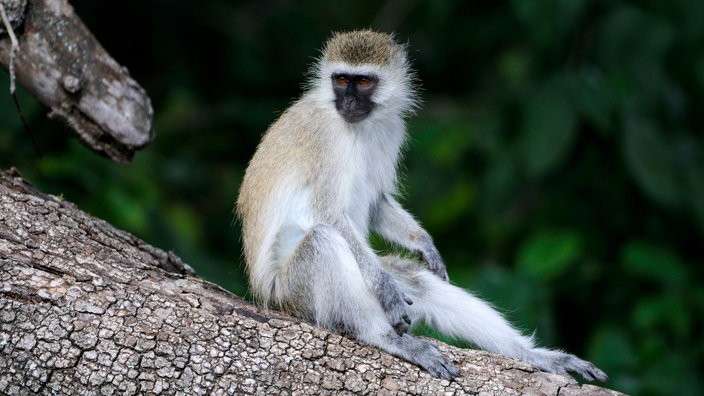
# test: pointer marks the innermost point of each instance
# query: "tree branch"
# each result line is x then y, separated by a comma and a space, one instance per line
61, 64
88, 309
14, 11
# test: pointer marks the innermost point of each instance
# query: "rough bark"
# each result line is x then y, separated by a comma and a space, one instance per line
62, 64
88, 309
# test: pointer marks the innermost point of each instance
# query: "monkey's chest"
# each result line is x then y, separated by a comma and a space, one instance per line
361, 187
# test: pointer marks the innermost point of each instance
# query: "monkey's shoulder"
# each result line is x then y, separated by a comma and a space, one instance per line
303, 127
306, 113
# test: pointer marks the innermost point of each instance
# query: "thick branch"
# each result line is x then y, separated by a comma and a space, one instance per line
61, 64
14, 10
88, 309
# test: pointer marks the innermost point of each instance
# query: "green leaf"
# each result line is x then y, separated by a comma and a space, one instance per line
447, 147
665, 311
653, 262
527, 303
613, 349
453, 205
127, 208
693, 181
497, 186
649, 158
548, 133
593, 99
548, 254
514, 66
185, 222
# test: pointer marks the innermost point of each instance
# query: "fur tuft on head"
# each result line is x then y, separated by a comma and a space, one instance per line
362, 47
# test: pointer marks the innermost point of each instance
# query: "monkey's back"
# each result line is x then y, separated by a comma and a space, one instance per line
273, 190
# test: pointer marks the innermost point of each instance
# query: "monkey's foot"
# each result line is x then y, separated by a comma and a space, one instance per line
426, 355
563, 363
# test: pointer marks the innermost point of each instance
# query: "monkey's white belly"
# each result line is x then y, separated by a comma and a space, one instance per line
296, 213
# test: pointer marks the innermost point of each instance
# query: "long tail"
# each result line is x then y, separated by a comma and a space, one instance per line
457, 313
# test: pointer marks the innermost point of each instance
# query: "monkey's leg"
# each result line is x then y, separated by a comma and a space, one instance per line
322, 282
458, 313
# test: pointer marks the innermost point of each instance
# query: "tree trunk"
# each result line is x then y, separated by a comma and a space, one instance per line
61, 64
88, 309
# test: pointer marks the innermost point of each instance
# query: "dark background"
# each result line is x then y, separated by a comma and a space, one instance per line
557, 160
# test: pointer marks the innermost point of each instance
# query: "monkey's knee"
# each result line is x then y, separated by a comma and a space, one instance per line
324, 280
322, 242
293, 243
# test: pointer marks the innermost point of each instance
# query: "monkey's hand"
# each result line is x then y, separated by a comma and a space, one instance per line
394, 303
431, 257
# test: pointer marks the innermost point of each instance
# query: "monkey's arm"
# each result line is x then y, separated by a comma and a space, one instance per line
398, 226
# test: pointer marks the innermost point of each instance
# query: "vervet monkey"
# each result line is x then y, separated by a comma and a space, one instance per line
323, 176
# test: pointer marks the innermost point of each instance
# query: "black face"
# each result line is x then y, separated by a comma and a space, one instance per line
353, 95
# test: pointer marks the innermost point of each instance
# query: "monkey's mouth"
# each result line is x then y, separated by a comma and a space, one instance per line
353, 111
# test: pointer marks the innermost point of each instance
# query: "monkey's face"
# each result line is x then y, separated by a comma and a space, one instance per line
353, 95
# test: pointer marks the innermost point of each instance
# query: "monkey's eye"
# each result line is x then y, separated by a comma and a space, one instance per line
364, 81
341, 79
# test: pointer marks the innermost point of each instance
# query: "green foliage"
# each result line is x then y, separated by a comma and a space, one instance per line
548, 255
548, 132
558, 159
653, 262
651, 160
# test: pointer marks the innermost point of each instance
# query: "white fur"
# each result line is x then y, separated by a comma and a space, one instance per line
458, 313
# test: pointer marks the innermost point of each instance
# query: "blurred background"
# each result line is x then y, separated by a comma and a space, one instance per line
557, 160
